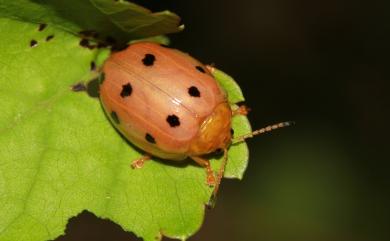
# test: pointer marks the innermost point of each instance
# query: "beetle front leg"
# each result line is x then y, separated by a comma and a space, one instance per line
206, 164
242, 110
139, 163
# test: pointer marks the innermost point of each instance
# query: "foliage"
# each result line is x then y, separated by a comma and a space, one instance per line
59, 154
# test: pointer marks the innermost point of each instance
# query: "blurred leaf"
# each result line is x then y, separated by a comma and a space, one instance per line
59, 154
121, 20
161, 39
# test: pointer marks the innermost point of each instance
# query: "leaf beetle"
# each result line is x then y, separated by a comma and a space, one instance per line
169, 105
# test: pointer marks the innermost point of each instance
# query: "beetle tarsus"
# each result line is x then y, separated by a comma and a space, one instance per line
242, 110
139, 163
210, 179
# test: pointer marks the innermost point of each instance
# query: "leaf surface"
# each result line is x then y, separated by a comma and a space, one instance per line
59, 154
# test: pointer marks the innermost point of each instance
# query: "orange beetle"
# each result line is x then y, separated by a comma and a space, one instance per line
167, 103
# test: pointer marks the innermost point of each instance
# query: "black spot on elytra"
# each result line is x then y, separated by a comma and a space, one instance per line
48, 38
148, 60
42, 26
33, 43
114, 117
173, 120
79, 87
126, 90
93, 66
150, 138
101, 78
193, 91
200, 69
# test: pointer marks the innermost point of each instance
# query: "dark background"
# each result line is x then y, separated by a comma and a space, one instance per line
321, 63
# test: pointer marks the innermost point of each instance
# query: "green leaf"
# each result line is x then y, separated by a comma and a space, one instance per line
59, 154
227, 82
121, 20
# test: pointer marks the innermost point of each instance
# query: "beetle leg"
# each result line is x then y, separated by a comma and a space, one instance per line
139, 163
206, 164
221, 171
242, 110
210, 67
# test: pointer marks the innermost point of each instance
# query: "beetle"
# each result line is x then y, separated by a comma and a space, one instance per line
168, 104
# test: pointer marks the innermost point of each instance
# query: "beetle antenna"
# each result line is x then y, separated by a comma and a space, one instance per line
263, 130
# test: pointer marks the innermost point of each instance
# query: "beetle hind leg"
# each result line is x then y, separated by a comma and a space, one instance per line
139, 163
206, 164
